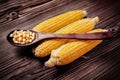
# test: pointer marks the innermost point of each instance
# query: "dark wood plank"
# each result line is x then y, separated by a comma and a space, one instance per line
102, 62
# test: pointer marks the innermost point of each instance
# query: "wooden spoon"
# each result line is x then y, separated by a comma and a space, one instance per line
42, 36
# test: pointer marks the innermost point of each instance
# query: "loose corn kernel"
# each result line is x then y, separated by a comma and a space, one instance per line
22, 37
80, 26
57, 22
71, 51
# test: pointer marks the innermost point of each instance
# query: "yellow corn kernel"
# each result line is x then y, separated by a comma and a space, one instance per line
71, 51
57, 22
80, 26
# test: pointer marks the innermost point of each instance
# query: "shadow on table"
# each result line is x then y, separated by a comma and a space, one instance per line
28, 52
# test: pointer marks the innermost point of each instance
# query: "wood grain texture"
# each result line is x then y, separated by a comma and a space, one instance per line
102, 62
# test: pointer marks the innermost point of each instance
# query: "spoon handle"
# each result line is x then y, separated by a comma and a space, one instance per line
85, 36
89, 36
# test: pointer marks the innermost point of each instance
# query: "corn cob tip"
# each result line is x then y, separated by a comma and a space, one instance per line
84, 13
96, 19
37, 53
54, 60
50, 63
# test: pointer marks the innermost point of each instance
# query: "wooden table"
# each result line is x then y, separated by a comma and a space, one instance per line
102, 63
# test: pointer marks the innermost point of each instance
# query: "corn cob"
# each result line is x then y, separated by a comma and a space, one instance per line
71, 51
55, 23
80, 26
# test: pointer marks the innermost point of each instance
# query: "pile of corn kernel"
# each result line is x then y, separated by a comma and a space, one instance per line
23, 37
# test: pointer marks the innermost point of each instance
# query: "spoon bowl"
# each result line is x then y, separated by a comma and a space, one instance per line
10, 39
